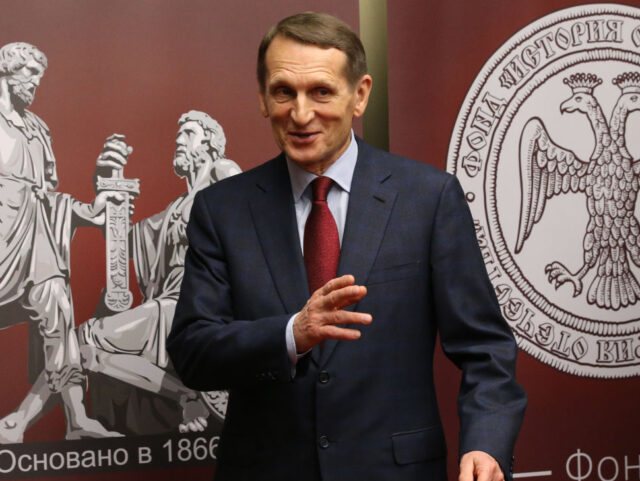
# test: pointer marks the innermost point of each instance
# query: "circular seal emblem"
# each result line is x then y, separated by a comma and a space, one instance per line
546, 147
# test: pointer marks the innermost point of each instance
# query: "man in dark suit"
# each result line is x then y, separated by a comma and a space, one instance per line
315, 286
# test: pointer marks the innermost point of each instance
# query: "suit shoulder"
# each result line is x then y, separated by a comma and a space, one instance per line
238, 185
408, 171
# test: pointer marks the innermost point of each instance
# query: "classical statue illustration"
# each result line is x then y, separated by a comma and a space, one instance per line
609, 179
130, 346
36, 228
134, 389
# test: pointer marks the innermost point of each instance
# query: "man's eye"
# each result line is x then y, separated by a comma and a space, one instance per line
282, 92
322, 93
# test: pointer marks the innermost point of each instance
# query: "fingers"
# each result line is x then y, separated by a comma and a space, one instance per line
332, 318
115, 137
466, 468
114, 152
323, 315
343, 297
341, 333
116, 142
112, 164
112, 156
479, 466
340, 292
337, 283
115, 197
198, 424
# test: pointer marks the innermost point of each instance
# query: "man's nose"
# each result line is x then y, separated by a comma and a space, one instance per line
36, 80
302, 111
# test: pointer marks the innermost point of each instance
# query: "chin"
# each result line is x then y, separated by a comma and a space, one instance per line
302, 158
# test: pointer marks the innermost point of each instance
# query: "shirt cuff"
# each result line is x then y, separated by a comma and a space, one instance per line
291, 342
291, 345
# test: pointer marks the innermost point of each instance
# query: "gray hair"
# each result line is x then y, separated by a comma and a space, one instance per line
217, 139
14, 56
322, 30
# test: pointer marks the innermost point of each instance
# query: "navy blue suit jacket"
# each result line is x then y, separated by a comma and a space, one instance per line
364, 409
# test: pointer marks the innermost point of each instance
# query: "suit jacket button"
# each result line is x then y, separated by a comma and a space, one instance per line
323, 441
324, 377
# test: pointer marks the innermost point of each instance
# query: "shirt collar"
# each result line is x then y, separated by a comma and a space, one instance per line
341, 171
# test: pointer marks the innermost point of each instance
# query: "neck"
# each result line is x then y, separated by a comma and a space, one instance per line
597, 119
619, 121
6, 105
619, 126
198, 180
599, 126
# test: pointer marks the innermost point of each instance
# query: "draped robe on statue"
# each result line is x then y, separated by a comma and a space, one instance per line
35, 238
158, 250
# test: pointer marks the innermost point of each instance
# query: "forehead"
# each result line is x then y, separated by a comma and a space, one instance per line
286, 57
33, 65
192, 126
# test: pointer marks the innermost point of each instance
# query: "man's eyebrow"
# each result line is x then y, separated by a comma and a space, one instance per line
182, 131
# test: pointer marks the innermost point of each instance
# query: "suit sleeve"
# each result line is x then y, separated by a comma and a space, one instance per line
209, 348
474, 335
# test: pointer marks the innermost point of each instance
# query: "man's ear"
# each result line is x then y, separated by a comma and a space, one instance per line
362, 91
263, 104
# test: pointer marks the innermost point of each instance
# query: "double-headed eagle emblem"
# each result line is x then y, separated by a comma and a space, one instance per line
609, 179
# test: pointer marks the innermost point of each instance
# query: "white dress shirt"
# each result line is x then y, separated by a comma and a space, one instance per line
341, 172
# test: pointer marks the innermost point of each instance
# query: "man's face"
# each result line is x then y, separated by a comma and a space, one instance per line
191, 141
310, 102
23, 83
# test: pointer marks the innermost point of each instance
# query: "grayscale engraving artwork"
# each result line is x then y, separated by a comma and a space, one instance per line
129, 346
609, 179
122, 348
117, 297
546, 149
36, 227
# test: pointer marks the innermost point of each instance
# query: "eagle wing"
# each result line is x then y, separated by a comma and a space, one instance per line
546, 170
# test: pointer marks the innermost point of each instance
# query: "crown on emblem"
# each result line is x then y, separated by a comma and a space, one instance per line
583, 82
628, 82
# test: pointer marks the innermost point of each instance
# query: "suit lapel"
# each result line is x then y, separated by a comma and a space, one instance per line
370, 205
275, 222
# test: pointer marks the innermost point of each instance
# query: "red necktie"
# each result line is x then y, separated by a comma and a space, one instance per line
321, 241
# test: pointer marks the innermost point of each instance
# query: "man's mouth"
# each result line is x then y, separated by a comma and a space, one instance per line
303, 137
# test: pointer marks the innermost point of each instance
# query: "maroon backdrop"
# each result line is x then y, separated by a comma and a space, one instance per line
134, 67
436, 49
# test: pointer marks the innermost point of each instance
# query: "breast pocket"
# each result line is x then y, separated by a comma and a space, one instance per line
395, 272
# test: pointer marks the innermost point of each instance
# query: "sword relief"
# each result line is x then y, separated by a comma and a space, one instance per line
117, 296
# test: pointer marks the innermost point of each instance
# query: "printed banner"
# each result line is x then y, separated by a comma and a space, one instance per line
544, 149
113, 115
533, 105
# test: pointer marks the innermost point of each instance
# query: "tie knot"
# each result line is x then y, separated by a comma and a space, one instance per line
320, 188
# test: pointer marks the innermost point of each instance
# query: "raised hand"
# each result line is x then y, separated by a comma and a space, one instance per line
323, 314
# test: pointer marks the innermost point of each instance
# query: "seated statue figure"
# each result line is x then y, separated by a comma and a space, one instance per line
133, 388
130, 346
